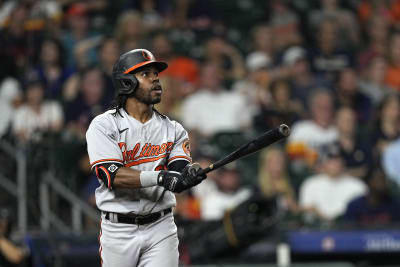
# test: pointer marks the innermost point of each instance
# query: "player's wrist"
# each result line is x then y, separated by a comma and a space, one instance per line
149, 178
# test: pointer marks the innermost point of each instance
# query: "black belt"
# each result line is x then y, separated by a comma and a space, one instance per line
135, 218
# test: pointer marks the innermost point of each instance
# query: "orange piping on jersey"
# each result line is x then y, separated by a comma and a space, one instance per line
103, 160
176, 157
108, 176
138, 162
97, 172
137, 66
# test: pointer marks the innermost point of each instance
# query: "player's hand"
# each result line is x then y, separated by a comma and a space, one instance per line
191, 176
171, 181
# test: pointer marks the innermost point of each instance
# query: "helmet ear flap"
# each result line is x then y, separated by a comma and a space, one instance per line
128, 85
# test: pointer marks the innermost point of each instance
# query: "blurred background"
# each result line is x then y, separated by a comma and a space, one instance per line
329, 195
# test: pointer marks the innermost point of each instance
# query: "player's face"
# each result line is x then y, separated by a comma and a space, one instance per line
149, 90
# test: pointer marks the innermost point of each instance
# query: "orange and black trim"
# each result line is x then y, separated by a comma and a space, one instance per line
107, 174
137, 66
106, 160
179, 157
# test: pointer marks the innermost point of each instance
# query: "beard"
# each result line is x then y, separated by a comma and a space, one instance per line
148, 96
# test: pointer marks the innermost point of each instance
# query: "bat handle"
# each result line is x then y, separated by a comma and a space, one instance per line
206, 170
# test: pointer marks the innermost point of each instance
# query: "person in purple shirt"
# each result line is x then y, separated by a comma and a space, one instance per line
377, 207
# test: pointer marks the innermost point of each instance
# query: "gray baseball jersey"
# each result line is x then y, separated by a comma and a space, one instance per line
149, 146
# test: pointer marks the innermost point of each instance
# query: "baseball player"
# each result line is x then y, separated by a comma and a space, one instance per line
141, 158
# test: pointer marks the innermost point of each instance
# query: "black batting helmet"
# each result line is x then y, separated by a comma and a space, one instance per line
124, 82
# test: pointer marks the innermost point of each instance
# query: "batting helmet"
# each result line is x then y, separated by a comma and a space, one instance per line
123, 80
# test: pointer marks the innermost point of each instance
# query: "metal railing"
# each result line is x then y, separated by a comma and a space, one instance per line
79, 207
18, 188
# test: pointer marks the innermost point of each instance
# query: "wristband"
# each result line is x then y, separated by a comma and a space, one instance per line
148, 178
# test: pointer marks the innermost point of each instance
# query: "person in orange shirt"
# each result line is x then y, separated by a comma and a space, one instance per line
392, 77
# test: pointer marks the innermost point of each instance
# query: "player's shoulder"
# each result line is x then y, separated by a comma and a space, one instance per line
167, 120
106, 119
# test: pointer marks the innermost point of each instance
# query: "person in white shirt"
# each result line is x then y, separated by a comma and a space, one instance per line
326, 195
229, 195
10, 99
213, 109
319, 129
37, 115
309, 135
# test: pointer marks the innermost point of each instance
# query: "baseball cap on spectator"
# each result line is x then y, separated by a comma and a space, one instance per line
10, 88
293, 54
258, 60
77, 9
183, 68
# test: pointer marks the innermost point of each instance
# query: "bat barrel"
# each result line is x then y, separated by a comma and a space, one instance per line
284, 130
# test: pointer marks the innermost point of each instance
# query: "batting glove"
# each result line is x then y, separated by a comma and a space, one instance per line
171, 181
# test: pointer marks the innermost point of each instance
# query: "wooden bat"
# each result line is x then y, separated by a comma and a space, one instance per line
260, 142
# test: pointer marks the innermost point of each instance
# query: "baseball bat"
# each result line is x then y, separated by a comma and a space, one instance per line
260, 142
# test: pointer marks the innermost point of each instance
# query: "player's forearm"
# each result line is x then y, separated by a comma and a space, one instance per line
127, 178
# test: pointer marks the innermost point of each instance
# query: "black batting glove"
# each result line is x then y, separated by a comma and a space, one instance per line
191, 175
171, 181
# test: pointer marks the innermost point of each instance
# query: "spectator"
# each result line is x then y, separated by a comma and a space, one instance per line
348, 94
347, 22
130, 37
387, 124
311, 134
273, 179
88, 104
373, 85
221, 110
51, 70
255, 87
329, 58
37, 117
11, 253
301, 78
377, 30
356, 153
78, 40
179, 80
377, 207
209, 185
228, 196
189, 206
282, 109
391, 159
18, 44
227, 57
326, 195
262, 40
179, 66
108, 54
153, 13
369, 8
285, 25
392, 77
10, 100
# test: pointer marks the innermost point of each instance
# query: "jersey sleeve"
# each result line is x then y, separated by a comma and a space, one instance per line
181, 147
101, 145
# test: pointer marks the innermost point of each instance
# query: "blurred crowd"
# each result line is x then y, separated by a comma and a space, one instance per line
329, 69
